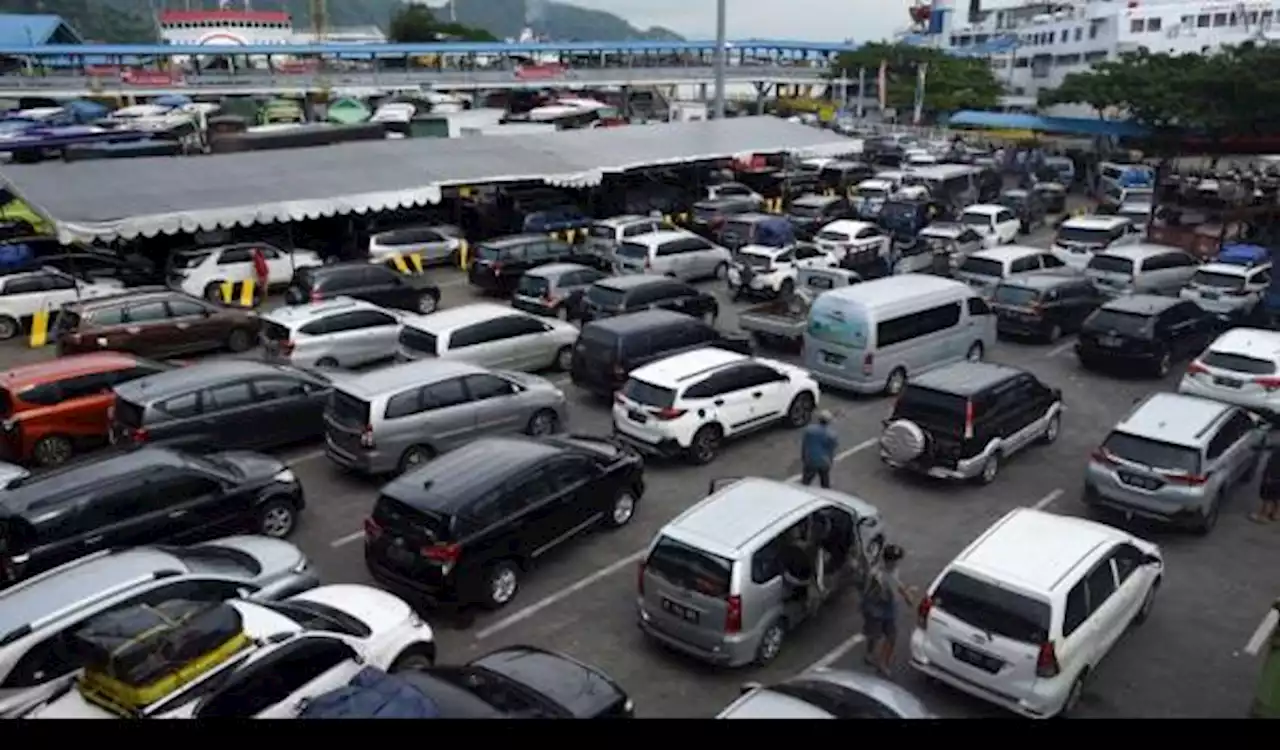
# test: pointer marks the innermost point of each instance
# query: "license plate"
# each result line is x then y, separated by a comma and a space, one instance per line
679, 610
635, 415
973, 657
1109, 341
832, 359
1146, 483
1228, 382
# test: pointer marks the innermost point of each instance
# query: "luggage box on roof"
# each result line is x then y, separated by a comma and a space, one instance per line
1244, 255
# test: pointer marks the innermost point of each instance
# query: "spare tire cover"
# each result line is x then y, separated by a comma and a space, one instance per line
903, 441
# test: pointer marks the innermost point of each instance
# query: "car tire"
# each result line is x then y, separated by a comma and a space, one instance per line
277, 519
52, 450
213, 293
543, 423
896, 381
990, 469
1052, 430
9, 328
564, 359
427, 304
722, 271
501, 584
413, 457
1073, 696
975, 352
414, 658
705, 445
1054, 333
787, 289
800, 412
771, 641
1164, 364
327, 363
1148, 603
622, 510
239, 341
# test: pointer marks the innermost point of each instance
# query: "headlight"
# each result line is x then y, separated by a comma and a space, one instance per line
285, 476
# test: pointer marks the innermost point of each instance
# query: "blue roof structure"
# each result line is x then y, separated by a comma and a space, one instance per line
1081, 126
27, 31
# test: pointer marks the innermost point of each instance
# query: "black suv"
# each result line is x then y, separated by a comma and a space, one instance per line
623, 294
146, 496
608, 350
961, 421
499, 264
1043, 306
1146, 332
464, 528
810, 213
380, 285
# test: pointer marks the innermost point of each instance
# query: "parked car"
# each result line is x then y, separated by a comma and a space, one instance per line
734, 190
57, 408
11, 475
376, 284
489, 335
396, 418
853, 239
1141, 269
555, 290
997, 224
147, 496
39, 612
499, 263
755, 229
620, 295
1176, 459
464, 528
675, 253
985, 269
827, 694
341, 332
956, 240
1012, 626
201, 272
1229, 290
1027, 207
609, 349
1080, 237
223, 405
1241, 367
434, 244
154, 323
711, 584
22, 295
690, 403
1044, 306
809, 213
710, 215
300, 648
1144, 332
964, 420
93, 267
758, 269
1053, 195
604, 236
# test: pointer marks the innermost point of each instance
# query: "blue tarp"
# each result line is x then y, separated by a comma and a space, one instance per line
1244, 255
372, 694
171, 100
1081, 126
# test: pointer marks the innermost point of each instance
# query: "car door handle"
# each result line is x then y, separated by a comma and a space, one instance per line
94, 540
178, 514
182, 326
718, 402
757, 394
133, 330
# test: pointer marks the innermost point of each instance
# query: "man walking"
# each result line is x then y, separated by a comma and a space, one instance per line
818, 450
880, 608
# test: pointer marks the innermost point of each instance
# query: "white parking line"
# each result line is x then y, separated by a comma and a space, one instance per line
834, 654
1060, 349
1263, 634
1048, 500
302, 458
348, 539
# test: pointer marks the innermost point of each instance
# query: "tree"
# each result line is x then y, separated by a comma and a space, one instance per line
951, 83
416, 23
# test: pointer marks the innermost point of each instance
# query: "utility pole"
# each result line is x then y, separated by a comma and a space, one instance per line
320, 20
721, 59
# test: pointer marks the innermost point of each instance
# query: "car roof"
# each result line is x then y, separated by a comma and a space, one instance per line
1173, 418
192, 377
1040, 280
635, 321
765, 250
579, 688
511, 240
815, 200
985, 208
142, 294
455, 317
850, 226
875, 182
24, 376
1140, 304
625, 283
964, 378
293, 316
1233, 269
1007, 253
1016, 192
1095, 222
451, 481
652, 239
1249, 342
420, 372
83, 474
671, 371
945, 228
1036, 550
555, 269
734, 516
890, 289
1139, 251
755, 217
617, 221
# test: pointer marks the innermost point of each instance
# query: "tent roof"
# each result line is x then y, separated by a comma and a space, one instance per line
111, 198
20, 30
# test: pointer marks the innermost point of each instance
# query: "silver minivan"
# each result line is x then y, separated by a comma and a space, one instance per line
870, 337
1141, 269
555, 290
676, 253
985, 269
341, 332
604, 236
489, 335
398, 417
713, 585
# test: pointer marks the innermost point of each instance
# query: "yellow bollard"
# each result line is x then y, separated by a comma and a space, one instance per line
398, 262
417, 262
464, 250
227, 288
40, 328
246, 293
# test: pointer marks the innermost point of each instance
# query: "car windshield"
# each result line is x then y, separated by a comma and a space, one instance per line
1128, 323
1238, 363
632, 250
872, 192
975, 219
982, 267
648, 394
992, 609
1110, 264
600, 232
933, 409
1016, 296
833, 236
188, 260
1218, 280
532, 286
1084, 236
755, 260
488, 252
1155, 454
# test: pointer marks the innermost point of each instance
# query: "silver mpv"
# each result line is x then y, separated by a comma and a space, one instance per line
1175, 459
396, 418
713, 584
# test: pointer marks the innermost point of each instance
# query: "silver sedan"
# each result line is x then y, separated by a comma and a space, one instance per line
827, 694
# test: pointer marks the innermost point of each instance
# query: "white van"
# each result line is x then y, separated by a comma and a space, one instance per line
1080, 238
870, 337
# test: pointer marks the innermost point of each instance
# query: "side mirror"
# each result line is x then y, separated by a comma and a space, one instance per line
749, 687
1151, 560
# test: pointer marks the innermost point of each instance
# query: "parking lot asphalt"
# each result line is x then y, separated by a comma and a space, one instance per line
1186, 661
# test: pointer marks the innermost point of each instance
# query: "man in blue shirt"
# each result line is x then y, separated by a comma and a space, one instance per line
818, 450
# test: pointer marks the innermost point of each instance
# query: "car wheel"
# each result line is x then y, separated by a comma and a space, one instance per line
771, 641
277, 518
52, 450
239, 341
800, 411
543, 423
1052, 429
414, 658
1073, 697
622, 510
213, 293
722, 271
326, 363
1055, 333
1210, 517
1148, 604
501, 584
705, 445
1164, 364
9, 328
975, 352
427, 304
990, 469
787, 289
415, 456
896, 382
564, 359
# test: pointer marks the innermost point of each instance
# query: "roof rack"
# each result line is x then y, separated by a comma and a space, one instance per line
99, 596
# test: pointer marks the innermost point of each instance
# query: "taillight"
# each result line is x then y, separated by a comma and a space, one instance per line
371, 529
922, 612
317, 296
968, 420
286, 347
140, 435
1270, 384
1102, 457
648, 264
640, 579
1195, 368
733, 615
366, 437
619, 399
668, 413
497, 268
445, 554
1047, 661
1189, 480
868, 363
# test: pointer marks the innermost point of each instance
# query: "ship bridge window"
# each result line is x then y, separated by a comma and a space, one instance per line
1252, 17
1137, 26
1202, 21
1266, 18
1153, 24
1079, 33
1219, 19
1063, 36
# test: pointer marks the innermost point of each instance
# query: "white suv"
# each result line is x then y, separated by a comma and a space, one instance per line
688, 404
1241, 367
773, 270
1025, 614
201, 272
22, 295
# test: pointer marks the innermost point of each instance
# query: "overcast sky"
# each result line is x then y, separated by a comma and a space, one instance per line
810, 20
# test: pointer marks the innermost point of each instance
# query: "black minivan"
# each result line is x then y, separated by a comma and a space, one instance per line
1043, 306
608, 350
378, 284
498, 264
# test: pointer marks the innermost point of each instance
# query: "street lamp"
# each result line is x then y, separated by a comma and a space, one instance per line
721, 58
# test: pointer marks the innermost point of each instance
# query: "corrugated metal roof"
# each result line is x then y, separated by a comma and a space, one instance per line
27, 31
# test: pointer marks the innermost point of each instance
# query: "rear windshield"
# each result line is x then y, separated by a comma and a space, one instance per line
932, 409
533, 286
1015, 295
1238, 363
690, 568
835, 322
390, 513
1111, 264
806, 212
1218, 280
488, 252
604, 296
648, 394
833, 236
188, 260
740, 229
600, 232
632, 250
348, 411
1131, 324
982, 267
992, 609
1085, 236
1153, 453
128, 413
755, 261
272, 331
418, 341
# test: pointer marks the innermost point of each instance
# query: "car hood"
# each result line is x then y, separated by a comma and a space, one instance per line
275, 557
580, 689
378, 609
256, 467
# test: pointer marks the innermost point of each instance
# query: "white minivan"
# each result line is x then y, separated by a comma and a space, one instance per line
870, 337
1081, 237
